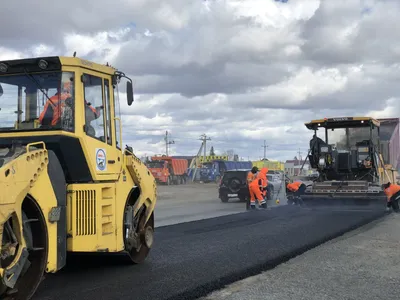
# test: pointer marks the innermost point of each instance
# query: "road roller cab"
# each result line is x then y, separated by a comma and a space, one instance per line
66, 182
348, 160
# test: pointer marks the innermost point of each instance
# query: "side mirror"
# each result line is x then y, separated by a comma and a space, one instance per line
1, 90
129, 92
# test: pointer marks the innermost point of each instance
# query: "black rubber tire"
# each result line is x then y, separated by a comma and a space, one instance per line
224, 199
28, 282
138, 257
235, 188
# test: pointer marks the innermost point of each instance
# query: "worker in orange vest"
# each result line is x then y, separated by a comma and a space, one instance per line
262, 175
252, 176
255, 192
392, 192
297, 188
51, 114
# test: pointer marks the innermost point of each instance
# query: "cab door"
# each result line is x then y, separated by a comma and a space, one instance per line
105, 157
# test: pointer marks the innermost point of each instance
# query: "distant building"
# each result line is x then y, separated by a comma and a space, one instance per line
293, 167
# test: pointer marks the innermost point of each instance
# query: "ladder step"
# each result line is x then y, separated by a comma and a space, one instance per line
37, 249
30, 220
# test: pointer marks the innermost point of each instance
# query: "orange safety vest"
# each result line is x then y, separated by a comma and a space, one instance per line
55, 104
251, 177
391, 190
262, 177
293, 187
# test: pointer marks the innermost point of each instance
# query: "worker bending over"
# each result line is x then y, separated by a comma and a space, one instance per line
297, 188
392, 192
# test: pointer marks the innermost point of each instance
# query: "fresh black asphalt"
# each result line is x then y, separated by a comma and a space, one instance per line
189, 260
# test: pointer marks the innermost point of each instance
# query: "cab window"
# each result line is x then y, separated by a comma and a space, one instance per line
40, 101
108, 110
93, 105
117, 114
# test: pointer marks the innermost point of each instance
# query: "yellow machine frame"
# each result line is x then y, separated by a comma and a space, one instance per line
76, 214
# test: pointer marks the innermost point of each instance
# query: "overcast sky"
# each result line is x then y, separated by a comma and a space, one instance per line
238, 71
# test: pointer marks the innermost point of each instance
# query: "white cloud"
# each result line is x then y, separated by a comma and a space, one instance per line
239, 71
9, 54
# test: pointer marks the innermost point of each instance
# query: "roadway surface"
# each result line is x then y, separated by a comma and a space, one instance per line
363, 264
190, 260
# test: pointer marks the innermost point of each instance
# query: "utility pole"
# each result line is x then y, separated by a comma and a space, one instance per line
204, 139
167, 142
265, 149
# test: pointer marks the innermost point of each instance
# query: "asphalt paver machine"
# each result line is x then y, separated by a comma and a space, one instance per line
349, 163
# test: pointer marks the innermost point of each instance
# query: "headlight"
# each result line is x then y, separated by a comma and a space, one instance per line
321, 162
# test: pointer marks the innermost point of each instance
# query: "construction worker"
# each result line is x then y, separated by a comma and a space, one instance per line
263, 181
297, 188
51, 114
52, 111
392, 192
254, 188
255, 193
251, 176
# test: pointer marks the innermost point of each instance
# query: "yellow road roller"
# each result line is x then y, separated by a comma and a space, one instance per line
66, 182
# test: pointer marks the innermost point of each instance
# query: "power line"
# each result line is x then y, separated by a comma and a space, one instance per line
167, 143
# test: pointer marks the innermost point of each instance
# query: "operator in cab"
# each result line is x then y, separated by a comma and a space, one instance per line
54, 110
316, 143
297, 188
51, 114
392, 192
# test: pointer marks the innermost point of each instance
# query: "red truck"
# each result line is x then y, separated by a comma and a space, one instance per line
168, 170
